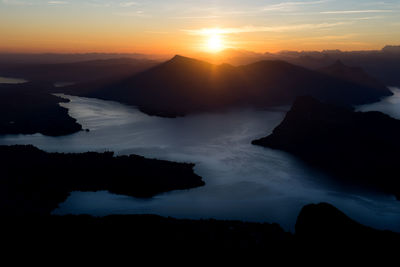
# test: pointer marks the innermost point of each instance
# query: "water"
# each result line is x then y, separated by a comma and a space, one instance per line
389, 105
11, 80
243, 181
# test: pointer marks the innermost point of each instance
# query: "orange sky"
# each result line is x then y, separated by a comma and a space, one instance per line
171, 27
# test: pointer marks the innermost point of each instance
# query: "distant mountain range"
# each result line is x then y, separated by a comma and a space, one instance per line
81, 71
382, 64
58, 58
184, 85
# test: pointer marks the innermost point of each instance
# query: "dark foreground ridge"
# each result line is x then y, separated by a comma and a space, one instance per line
35, 182
319, 223
359, 148
29, 108
183, 85
319, 226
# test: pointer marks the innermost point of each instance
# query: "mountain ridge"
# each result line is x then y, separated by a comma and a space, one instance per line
185, 85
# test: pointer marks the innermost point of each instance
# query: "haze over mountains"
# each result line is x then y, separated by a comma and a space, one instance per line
382, 64
81, 71
184, 85
58, 58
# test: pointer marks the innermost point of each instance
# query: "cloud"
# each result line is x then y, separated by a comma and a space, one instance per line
31, 3
357, 11
250, 29
138, 13
290, 6
197, 17
17, 2
128, 4
57, 2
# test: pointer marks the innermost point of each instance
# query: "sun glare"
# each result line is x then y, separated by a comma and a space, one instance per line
214, 43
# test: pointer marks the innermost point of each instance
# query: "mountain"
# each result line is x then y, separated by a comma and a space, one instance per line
382, 64
184, 85
54, 58
77, 71
356, 148
352, 74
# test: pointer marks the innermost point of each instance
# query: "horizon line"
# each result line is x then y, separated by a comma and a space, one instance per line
173, 53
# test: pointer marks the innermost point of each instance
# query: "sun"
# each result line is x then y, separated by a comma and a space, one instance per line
214, 43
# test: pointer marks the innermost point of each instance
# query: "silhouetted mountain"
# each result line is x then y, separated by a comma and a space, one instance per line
356, 148
184, 85
393, 49
29, 108
381, 64
323, 224
34, 182
54, 58
353, 74
77, 71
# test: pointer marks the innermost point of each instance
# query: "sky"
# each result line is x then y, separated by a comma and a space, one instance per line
187, 26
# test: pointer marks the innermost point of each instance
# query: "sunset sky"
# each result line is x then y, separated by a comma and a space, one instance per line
172, 26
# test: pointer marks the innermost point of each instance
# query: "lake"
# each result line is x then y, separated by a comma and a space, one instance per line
243, 182
8, 80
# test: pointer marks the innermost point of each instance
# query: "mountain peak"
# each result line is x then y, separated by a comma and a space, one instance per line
179, 57
182, 60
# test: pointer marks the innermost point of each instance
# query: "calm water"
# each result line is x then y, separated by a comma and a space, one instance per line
243, 181
11, 80
388, 105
